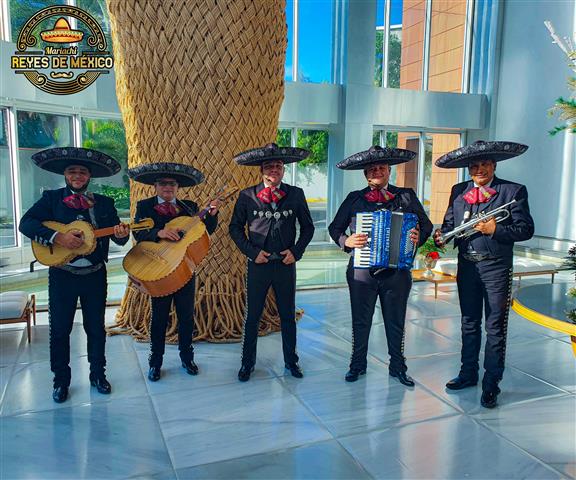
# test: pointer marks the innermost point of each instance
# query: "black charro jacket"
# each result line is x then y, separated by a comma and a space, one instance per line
52, 207
259, 216
516, 228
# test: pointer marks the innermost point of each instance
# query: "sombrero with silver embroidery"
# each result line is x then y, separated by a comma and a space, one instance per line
374, 155
480, 150
256, 156
185, 175
56, 160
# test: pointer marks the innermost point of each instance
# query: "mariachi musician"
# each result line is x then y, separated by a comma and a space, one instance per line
84, 277
270, 210
392, 286
163, 207
484, 259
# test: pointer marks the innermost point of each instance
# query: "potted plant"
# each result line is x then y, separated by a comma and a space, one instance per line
430, 253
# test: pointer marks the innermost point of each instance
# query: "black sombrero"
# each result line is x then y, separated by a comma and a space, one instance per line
480, 150
56, 160
376, 154
255, 156
185, 175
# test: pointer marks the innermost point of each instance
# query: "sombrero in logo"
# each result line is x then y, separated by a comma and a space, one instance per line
62, 33
271, 151
56, 160
480, 150
185, 175
376, 154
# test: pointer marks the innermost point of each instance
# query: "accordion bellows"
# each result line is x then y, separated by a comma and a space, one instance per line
389, 244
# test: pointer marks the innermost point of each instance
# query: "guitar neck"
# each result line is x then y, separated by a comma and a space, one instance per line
104, 232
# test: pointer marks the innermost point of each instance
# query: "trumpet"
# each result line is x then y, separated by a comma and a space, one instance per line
467, 228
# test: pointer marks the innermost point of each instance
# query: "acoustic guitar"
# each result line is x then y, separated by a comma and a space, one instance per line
162, 268
54, 255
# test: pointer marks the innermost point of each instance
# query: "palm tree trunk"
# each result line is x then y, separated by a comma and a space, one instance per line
197, 82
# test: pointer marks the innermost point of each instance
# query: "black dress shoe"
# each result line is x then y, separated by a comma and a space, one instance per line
403, 378
102, 385
295, 369
154, 374
489, 399
60, 394
244, 373
353, 374
459, 383
190, 367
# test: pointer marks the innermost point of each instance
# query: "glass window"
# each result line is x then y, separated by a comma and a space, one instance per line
315, 19
407, 25
109, 136
380, 32
37, 131
7, 220
284, 137
289, 48
447, 35
22, 10
441, 180
405, 174
97, 8
311, 175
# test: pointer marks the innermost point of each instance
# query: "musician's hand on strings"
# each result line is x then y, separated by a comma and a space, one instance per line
71, 240
357, 240
121, 230
214, 206
415, 235
437, 236
169, 233
262, 257
487, 227
288, 257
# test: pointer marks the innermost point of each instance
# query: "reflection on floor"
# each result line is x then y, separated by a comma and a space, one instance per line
275, 426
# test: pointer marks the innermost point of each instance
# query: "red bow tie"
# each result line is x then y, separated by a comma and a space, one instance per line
167, 209
271, 194
479, 195
78, 201
379, 196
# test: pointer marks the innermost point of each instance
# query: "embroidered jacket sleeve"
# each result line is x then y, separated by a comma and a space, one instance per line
424, 222
31, 222
114, 220
522, 225
341, 222
306, 226
448, 223
144, 210
237, 228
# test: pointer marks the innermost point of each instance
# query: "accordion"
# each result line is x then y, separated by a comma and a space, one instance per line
389, 244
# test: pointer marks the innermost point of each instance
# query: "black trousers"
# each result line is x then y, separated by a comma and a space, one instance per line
282, 278
484, 285
184, 302
64, 290
393, 288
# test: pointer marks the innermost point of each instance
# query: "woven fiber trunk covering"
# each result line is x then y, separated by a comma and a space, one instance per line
198, 81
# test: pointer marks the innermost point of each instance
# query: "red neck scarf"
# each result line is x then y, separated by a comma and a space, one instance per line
479, 195
78, 201
167, 209
379, 196
271, 194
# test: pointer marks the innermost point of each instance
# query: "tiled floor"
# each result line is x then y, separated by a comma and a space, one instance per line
275, 426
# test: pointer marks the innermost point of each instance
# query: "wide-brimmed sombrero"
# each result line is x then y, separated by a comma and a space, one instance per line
56, 160
185, 175
374, 155
480, 150
62, 33
255, 156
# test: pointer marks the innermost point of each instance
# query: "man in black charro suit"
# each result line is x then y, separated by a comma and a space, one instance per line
392, 286
84, 277
162, 208
485, 259
270, 211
